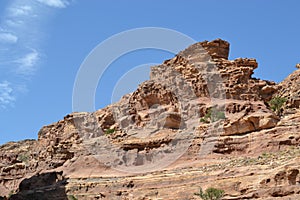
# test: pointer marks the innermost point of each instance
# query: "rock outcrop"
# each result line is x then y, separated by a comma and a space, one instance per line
45, 186
290, 89
200, 121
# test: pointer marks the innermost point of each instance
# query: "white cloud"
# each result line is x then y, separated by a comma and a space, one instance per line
8, 38
27, 64
20, 10
20, 33
55, 3
14, 23
6, 94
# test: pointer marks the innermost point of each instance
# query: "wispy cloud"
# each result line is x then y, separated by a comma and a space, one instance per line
27, 64
21, 10
21, 34
14, 22
55, 3
8, 38
6, 94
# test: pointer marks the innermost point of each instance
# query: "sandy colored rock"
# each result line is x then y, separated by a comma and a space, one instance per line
244, 148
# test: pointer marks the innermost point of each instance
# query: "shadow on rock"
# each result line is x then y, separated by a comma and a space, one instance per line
44, 186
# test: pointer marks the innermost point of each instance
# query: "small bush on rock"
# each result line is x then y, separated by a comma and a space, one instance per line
109, 131
276, 104
72, 197
213, 115
210, 194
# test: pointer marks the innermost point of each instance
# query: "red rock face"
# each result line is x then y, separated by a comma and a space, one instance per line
200, 109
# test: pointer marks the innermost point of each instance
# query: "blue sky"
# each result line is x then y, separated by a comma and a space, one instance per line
44, 42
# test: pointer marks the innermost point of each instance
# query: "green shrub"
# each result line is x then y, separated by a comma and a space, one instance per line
212, 115
109, 131
217, 115
72, 197
204, 120
210, 194
23, 157
276, 103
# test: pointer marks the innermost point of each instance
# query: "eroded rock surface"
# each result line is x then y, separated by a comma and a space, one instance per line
200, 121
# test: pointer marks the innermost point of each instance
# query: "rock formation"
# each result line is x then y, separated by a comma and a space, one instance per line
200, 121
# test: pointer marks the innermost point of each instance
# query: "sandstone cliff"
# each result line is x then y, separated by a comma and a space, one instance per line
200, 121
